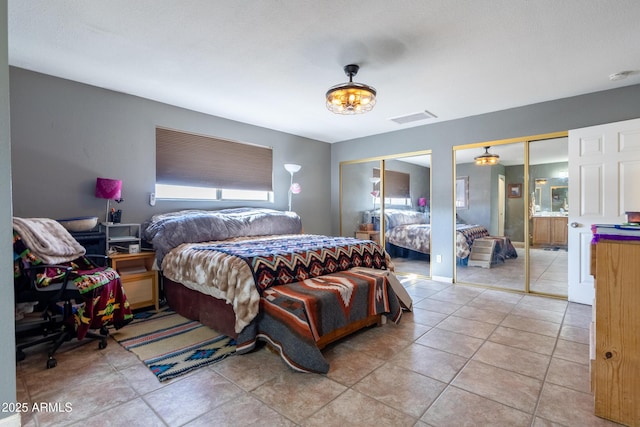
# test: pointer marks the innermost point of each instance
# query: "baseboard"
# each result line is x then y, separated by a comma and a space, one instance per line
442, 279
11, 421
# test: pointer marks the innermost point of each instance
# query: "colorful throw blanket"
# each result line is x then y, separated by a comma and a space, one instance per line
211, 269
300, 257
102, 299
48, 240
294, 317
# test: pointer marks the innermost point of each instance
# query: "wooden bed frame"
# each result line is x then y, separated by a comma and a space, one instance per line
218, 315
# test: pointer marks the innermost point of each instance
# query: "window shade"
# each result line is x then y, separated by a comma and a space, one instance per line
396, 184
203, 161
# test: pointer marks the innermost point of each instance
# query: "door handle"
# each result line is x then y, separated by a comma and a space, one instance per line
575, 225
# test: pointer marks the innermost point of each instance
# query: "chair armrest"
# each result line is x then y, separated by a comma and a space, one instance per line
93, 257
63, 282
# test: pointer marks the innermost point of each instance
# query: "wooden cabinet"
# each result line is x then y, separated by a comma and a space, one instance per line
139, 280
550, 230
615, 347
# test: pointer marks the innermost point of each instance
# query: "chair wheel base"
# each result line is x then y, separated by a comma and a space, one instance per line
20, 355
102, 344
51, 363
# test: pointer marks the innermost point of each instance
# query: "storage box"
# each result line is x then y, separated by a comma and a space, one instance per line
633, 216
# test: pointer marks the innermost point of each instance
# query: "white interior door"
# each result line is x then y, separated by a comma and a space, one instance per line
604, 163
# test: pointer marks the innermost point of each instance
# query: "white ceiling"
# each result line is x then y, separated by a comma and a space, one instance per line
270, 62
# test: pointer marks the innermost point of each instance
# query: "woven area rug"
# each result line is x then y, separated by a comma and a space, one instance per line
171, 345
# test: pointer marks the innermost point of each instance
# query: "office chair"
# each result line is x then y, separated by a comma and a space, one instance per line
68, 297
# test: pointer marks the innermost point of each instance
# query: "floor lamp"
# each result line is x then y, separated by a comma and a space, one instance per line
294, 188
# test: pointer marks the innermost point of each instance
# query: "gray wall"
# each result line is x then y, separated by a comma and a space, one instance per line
65, 134
7, 322
553, 116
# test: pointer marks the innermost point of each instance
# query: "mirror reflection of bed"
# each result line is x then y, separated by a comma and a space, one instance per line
406, 184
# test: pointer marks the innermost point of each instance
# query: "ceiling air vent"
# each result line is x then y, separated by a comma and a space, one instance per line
413, 117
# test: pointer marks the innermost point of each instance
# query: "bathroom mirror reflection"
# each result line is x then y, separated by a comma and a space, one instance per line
559, 199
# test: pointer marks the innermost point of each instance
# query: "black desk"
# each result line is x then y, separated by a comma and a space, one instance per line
93, 241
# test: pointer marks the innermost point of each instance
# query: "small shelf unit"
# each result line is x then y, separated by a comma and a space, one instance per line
120, 236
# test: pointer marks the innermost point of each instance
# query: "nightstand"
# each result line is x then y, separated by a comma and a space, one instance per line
139, 280
368, 235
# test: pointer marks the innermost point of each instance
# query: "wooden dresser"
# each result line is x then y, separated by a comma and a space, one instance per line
615, 335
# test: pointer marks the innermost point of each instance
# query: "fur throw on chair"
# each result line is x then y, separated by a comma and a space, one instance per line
48, 240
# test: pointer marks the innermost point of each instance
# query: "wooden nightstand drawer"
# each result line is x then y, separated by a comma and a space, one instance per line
139, 280
140, 289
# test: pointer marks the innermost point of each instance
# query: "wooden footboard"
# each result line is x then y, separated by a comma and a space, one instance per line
349, 329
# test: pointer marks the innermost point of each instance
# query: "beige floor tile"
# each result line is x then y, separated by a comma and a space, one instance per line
418, 292
250, 370
347, 366
141, 379
457, 294
406, 329
437, 306
356, 409
473, 328
579, 319
568, 407
544, 303
401, 389
569, 374
457, 407
245, 410
459, 344
538, 313
523, 340
572, 333
377, 342
433, 363
424, 317
191, 396
480, 315
510, 388
133, 413
85, 399
541, 422
513, 359
488, 303
572, 351
298, 395
528, 324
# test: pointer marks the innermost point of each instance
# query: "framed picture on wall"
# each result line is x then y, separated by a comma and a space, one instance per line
515, 190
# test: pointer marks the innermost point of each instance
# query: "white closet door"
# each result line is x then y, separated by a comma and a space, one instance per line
604, 164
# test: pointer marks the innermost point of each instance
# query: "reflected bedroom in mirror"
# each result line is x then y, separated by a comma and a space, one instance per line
396, 201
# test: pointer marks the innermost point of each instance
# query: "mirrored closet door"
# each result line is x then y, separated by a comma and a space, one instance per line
387, 200
490, 216
548, 216
511, 214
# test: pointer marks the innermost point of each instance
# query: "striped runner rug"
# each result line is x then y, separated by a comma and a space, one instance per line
171, 345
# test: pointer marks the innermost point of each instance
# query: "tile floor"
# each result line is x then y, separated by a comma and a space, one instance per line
464, 357
548, 271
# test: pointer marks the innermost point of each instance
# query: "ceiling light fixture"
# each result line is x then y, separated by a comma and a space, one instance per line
351, 98
487, 158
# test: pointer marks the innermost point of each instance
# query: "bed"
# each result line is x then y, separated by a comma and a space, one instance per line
251, 274
410, 230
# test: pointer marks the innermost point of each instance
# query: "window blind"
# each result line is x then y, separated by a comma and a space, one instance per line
396, 184
203, 161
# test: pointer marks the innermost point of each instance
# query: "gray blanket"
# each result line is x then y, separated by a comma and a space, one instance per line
167, 231
48, 240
